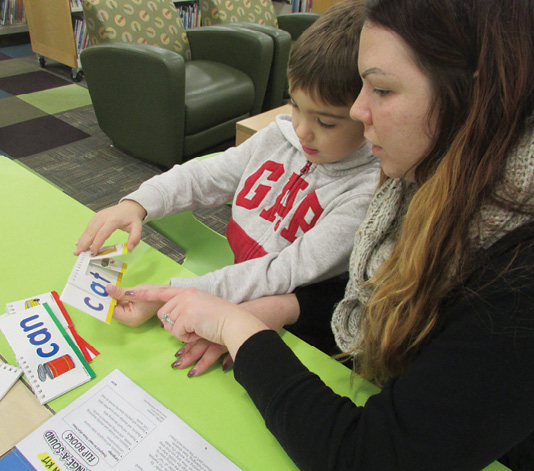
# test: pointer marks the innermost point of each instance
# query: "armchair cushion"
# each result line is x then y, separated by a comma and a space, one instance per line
153, 22
216, 12
215, 93
250, 52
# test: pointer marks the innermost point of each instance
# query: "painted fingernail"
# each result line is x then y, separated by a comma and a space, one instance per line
179, 353
161, 324
177, 363
130, 293
192, 372
227, 365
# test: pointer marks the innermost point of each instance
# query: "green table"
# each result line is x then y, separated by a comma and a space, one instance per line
40, 225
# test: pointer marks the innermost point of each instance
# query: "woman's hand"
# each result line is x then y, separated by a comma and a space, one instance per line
204, 354
133, 313
127, 215
190, 315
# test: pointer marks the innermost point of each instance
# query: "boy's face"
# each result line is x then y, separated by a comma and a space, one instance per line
326, 132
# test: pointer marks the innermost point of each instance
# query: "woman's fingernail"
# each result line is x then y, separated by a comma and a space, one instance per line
227, 365
130, 293
161, 324
177, 363
179, 353
192, 372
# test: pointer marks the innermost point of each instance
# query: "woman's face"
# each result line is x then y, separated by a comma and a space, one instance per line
394, 102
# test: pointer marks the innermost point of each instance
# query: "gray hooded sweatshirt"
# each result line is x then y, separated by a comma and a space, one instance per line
293, 222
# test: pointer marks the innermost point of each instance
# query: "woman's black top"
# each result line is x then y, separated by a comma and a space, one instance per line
465, 401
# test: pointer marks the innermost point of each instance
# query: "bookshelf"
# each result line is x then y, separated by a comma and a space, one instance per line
52, 25
12, 17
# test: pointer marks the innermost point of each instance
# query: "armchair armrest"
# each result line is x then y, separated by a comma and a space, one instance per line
296, 23
138, 93
248, 51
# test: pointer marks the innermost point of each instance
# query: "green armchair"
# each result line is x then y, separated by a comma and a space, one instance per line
296, 23
277, 84
260, 15
164, 94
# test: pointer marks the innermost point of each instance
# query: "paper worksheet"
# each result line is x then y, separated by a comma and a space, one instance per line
116, 425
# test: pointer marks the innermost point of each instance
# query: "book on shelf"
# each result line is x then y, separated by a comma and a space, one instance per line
189, 13
301, 6
81, 37
12, 12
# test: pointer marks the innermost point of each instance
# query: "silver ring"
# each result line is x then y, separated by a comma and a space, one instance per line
167, 318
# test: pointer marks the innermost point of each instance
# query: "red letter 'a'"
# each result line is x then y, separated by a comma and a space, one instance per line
285, 200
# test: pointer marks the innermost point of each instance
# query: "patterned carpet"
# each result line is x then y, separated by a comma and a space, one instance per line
48, 124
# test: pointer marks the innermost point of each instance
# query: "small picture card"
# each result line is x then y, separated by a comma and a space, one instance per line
110, 251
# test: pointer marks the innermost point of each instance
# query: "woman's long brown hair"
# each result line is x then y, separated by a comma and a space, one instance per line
479, 57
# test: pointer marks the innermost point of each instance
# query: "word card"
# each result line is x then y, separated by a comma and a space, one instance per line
86, 286
54, 303
51, 361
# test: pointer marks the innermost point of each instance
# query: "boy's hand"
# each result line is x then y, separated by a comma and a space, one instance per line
127, 215
204, 354
133, 313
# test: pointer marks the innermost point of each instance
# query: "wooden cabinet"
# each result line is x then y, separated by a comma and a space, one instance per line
320, 6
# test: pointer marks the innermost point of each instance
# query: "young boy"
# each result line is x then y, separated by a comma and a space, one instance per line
300, 187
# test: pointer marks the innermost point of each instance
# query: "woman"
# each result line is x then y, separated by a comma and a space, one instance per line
439, 306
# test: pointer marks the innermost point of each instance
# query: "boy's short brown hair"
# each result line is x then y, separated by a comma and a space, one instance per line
324, 60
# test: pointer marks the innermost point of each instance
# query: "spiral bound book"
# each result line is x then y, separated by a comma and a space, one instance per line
51, 361
8, 376
53, 301
86, 287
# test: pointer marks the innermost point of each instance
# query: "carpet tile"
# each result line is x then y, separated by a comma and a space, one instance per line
30, 99
17, 67
14, 110
37, 135
31, 82
59, 99
20, 50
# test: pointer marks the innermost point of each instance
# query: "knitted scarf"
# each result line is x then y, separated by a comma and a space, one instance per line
377, 235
